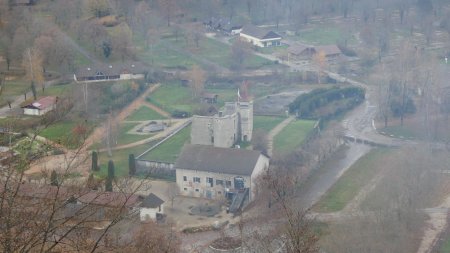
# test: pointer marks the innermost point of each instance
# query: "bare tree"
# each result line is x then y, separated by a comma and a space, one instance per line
32, 61
198, 77
169, 8
259, 141
320, 61
240, 51
172, 191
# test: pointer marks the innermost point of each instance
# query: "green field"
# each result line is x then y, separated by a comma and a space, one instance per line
445, 247
292, 136
61, 132
402, 131
351, 182
56, 90
171, 97
12, 89
171, 52
266, 123
323, 35
144, 113
169, 150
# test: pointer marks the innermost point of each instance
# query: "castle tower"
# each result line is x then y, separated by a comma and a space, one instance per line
245, 111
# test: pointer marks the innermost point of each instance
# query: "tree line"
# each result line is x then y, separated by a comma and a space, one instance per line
343, 99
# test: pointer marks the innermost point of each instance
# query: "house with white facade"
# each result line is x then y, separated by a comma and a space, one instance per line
214, 173
259, 37
150, 207
40, 106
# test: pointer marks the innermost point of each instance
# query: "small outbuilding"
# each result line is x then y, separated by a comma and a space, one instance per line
151, 207
40, 106
298, 51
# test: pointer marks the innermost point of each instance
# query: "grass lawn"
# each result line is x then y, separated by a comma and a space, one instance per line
61, 132
126, 138
323, 35
162, 56
266, 123
292, 136
56, 90
13, 88
158, 54
351, 182
403, 131
271, 50
218, 52
120, 159
144, 113
445, 247
169, 150
171, 97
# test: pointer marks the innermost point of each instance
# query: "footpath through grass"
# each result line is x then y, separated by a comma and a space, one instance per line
266, 123
351, 182
292, 136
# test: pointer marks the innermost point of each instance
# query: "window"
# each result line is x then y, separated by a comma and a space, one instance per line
228, 184
219, 182
185, 189
209, 181
219, 192
184, 178
197, 190
196, 180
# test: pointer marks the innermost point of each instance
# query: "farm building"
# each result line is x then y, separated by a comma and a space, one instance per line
111, 72
260, 37
211, 172
40, 106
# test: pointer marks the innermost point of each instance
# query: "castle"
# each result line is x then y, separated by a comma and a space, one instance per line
231, 125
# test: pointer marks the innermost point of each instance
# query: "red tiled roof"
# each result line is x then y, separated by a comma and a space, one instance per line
111, 199
42, 103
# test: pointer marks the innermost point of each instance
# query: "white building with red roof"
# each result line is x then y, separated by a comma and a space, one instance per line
40, 106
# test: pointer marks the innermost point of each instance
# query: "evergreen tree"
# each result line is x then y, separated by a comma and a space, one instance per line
131, 165
111, 169
54, 178
95, 161
108, 184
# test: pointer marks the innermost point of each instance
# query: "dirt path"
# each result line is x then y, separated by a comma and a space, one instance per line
276, 130
77, 161
98, 133
157, 109
435, 226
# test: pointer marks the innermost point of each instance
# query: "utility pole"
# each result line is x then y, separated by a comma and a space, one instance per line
85, 90
108, 136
